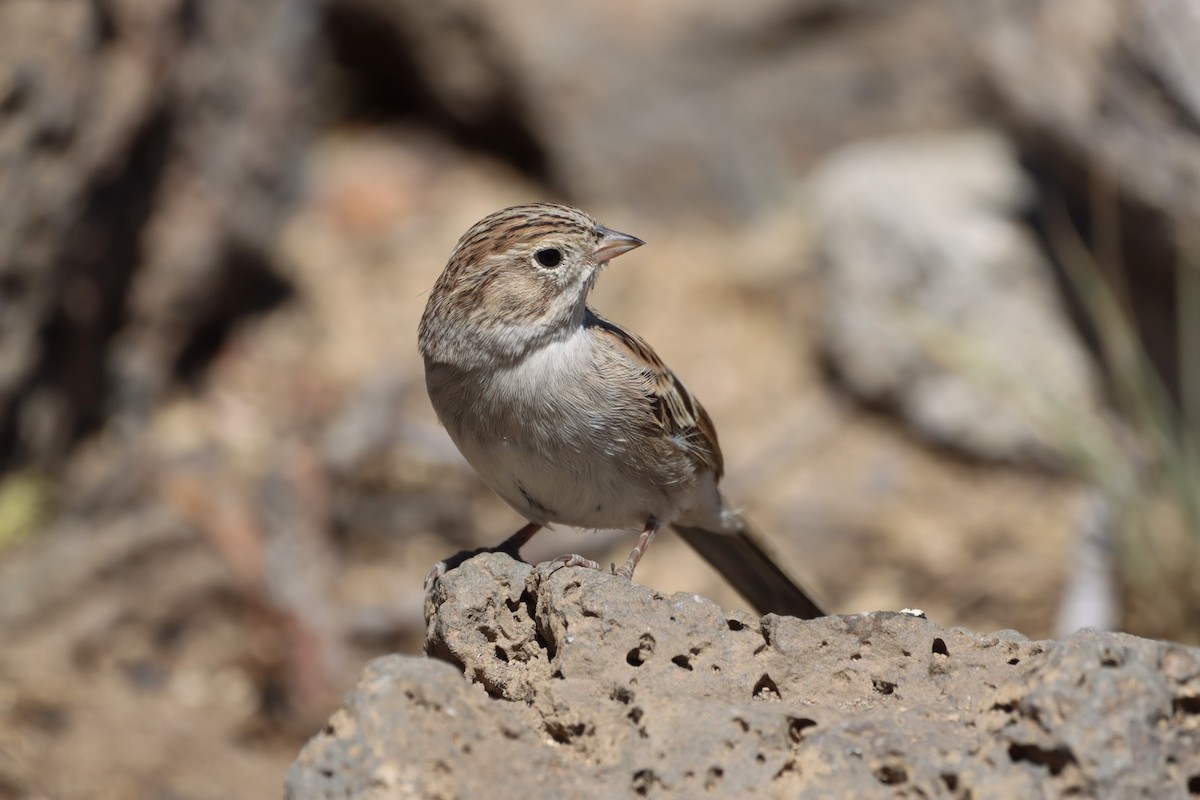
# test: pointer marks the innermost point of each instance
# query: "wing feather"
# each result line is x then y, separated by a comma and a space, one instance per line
675, 409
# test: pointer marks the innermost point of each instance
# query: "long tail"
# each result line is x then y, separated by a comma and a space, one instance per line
745, 560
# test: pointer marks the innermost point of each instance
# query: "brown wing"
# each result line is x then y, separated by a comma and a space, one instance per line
675, 409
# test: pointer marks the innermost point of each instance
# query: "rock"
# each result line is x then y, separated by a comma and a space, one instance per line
937, 302
1103, 98
414, 728
578, 683
147, 152
1113, 82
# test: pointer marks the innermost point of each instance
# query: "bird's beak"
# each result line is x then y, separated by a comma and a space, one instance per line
612, 244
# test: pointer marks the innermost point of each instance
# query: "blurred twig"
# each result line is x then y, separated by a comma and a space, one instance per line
1189, 329
1089, 599
293, 507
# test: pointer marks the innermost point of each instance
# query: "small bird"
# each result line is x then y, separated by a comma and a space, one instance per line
567, 416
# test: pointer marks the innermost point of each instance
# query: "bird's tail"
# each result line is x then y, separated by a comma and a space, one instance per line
747, 562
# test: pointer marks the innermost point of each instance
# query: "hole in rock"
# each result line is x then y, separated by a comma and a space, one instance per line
939, 647
766, 689
1187, 704
622, 695
564, 733
643, 781
1054, 760
797, 726
638, 655
891, 773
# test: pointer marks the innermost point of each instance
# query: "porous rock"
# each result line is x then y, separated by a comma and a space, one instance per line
576, 683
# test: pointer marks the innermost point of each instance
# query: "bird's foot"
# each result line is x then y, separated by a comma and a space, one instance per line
510, 547
570, 560
453, 562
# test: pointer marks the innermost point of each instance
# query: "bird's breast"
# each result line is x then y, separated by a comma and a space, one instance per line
557, 438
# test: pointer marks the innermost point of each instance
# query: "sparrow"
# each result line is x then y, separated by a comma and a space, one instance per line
570, 418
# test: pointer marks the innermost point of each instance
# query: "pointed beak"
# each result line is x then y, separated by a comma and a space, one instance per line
612, 244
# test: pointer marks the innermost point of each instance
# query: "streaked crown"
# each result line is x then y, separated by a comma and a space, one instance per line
517, 278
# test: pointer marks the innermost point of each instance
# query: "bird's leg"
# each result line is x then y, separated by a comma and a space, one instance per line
510, 546
513, 544
643, 544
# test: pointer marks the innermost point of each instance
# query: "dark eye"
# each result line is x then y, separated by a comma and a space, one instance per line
550, 257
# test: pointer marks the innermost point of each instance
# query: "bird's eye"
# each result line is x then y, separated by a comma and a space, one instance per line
549, 257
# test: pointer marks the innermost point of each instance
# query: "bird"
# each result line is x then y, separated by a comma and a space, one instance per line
569, 417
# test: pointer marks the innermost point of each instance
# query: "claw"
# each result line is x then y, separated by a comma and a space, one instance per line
569, 560
431, 577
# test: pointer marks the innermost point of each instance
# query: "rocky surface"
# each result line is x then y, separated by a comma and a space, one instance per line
147, 154
939, 304
576, 683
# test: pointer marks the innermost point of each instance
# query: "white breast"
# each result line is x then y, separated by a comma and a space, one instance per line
547, 436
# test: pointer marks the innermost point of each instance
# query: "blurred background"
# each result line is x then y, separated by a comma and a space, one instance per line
933, 268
